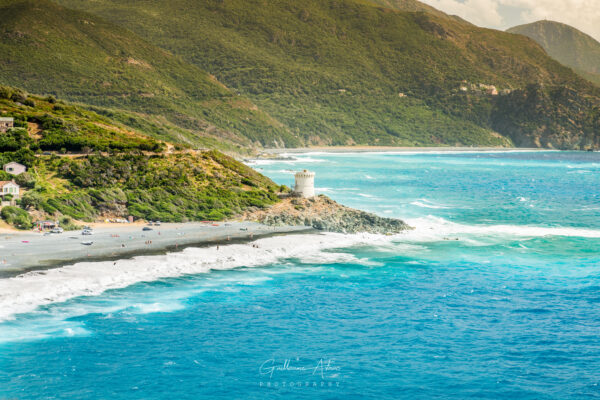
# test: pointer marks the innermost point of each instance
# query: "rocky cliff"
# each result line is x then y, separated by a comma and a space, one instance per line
324, 214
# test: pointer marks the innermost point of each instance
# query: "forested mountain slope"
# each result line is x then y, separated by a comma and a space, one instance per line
47, 48
346, 71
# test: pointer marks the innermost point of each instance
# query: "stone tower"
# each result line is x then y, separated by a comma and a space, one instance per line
305, 184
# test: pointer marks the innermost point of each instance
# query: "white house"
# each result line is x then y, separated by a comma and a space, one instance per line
305, 183
14, 168
6, 123
9, 187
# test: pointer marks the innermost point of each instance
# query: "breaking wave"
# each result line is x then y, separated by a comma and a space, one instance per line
26, 292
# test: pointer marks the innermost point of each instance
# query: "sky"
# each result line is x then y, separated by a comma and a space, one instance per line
501, 14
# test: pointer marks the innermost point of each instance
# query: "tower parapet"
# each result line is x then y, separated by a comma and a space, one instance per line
305, 183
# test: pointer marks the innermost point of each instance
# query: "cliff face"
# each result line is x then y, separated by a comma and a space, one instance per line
324, 214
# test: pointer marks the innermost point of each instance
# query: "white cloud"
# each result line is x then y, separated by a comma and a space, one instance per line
582, 14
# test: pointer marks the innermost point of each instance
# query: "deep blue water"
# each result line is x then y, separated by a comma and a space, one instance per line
509, 310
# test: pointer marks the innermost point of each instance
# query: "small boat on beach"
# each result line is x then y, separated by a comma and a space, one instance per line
88, 243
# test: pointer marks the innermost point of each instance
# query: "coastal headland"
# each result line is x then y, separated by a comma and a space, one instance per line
22, 251
324, 214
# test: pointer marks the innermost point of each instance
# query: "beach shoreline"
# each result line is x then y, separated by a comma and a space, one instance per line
26, 292
385, 149
24, 251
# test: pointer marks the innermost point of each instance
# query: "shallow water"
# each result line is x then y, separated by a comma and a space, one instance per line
510, 309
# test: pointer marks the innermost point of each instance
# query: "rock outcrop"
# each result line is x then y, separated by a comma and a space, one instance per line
324, 214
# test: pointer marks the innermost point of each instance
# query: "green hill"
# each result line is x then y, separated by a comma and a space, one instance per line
49, 49
566, 44
346, 71
85, 166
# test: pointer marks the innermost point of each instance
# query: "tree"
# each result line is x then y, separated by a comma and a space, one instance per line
25, 180
31, 199
17, 217
25, 157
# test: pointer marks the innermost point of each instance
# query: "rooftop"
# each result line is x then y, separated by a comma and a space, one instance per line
7, 119
2, 183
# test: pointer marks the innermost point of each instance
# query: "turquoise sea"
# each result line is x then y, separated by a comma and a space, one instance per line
494, 295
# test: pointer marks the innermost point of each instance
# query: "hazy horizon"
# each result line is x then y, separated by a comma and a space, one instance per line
503, 14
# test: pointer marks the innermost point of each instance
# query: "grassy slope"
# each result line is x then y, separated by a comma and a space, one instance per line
45, 124
332, 70
137, 178
411, 6
49, 49
566, 44
177, 187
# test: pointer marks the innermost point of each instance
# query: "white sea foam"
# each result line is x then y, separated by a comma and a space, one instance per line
254, 163
26, 292
289, 161
433, 228
393, 151
424, 203
148, 308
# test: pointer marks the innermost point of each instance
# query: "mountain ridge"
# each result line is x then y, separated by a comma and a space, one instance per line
336, 72
567, 45
342, 72
415, 6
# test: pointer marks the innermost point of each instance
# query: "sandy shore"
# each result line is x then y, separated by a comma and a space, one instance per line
22, 251
382, 149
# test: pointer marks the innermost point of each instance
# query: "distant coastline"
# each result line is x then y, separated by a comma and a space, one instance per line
384, 149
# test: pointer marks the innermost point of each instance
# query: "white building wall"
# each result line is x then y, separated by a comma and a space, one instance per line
15, 168
305, 183
11, 188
